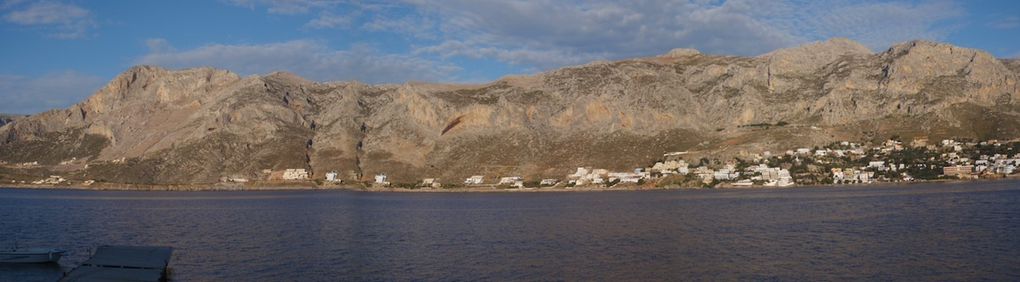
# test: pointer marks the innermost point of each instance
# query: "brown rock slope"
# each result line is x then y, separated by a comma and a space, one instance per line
151, 125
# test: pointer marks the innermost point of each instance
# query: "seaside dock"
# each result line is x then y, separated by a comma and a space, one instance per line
123, 263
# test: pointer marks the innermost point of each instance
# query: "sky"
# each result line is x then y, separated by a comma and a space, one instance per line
55, 53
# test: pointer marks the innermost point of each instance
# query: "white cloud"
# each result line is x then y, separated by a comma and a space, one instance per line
411, 25
287, 7
310, 59
543, 34
327, 19
158, 45
1009, 22
59, 20
29, 95
551, 33
879, 25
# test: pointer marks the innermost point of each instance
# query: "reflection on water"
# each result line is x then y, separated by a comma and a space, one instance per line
917, 232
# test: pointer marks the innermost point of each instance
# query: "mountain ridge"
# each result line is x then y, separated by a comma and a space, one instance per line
153, 125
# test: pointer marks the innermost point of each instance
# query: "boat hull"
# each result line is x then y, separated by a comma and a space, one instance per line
32, 256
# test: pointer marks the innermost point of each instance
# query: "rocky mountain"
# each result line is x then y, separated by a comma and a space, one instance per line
6, 118
158, 126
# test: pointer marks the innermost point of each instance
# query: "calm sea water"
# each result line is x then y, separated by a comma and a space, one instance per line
918, 232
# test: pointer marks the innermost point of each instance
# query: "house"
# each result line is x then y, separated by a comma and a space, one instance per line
784, 178
381, 179
430, 183
295, 174
961, 171
706, 174
548, 182
585, 176
332, 176
53, 179
579, 173
670, 167
1005, 169
626, 177
726, 174
838, 176
775, 176
876, 164
474, 180
510, 180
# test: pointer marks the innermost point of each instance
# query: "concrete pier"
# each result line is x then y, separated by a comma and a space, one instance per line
123, 263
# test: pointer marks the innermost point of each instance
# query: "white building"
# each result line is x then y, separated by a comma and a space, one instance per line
53, 179
670, 167
474, 180
381, 179
727, 173
706, 174
626, 177
295, 174
510, 180
1006, 169
585, 176
332, 177
548, 182
430, 182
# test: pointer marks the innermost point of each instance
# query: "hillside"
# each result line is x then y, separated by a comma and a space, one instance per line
157, 126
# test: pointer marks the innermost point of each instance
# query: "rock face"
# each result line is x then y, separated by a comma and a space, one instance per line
152, 125
5, 118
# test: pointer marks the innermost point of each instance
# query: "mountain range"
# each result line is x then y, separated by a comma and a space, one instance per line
151, 125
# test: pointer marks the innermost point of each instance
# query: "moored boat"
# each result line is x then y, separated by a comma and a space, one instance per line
30, 255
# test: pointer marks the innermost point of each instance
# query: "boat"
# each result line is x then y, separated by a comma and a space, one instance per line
31, 255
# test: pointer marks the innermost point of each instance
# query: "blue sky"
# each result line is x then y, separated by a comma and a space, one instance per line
57, 52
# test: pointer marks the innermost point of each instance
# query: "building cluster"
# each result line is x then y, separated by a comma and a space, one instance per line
295, 174
969, 166
838, 163
52, 180
947, 159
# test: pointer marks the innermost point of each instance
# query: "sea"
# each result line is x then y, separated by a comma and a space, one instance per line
940, 231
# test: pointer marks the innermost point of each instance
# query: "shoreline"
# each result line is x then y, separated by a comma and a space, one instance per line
263, 187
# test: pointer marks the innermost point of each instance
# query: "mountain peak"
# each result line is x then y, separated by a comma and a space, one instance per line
810, 57
828, 48
289, 77
682, 52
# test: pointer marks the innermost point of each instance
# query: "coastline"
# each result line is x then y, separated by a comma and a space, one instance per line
358, 188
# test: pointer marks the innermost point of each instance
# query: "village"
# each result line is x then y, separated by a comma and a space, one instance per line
835, 164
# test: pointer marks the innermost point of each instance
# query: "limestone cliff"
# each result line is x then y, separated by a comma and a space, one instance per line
151, 125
